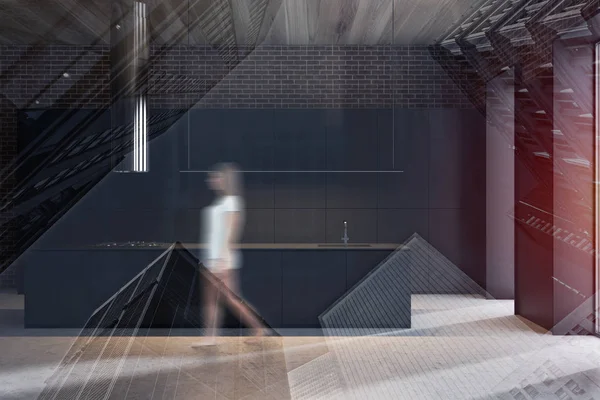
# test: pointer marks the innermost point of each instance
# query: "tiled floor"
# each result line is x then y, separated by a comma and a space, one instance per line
460, 347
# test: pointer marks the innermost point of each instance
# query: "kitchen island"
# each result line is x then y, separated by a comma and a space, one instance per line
289, 284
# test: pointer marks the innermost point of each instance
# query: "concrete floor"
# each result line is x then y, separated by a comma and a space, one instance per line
460, 347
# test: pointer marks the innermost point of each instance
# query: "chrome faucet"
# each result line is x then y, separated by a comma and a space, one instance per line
345, 238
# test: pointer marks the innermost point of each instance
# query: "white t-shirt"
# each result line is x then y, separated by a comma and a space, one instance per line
216, 230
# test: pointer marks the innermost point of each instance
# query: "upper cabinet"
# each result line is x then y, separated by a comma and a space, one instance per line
403, 136
241, 136
403, 146
248, 139
307, 140
300, 140
352, 140
204, 141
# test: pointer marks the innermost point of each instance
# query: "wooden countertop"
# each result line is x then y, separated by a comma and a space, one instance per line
310, 246
244, 246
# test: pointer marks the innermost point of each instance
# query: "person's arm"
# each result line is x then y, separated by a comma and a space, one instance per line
233, 225
232, 221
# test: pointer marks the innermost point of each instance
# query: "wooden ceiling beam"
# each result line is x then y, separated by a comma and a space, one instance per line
30, 24
370, 22
296, 22
274, 7
241, 20
88, 17
169, 17
325, 22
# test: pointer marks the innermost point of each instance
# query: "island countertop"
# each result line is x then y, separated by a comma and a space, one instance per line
289, 284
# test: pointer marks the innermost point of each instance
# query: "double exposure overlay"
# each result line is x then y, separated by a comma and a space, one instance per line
299, 199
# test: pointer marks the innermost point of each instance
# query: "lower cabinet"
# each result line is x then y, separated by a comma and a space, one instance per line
360, 263
292, 288
312, 281
261, 284
288, 288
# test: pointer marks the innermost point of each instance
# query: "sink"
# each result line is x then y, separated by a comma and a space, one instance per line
343, 245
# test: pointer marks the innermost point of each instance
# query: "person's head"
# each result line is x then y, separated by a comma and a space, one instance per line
225, 179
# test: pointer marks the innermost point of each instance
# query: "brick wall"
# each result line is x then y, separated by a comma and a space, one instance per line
8, 150
271, 77
463, 75
32, 74
312, 77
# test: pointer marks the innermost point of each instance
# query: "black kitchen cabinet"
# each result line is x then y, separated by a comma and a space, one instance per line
360, 263
248, 139
288, 288
261, 283
403, 136
241, 136
300, 190
53, 301
258, 190
312, 281
385, 139
205, 138
352, 190
397, 225
259, 226
300, 140
409, 189
361, 225
300, 225
352, 140
188, 224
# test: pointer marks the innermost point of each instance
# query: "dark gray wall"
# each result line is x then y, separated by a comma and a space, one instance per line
500, 183
573, 268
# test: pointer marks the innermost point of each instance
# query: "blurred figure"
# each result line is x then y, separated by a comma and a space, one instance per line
223, 222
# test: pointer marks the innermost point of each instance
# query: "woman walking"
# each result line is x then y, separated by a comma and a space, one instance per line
223, 222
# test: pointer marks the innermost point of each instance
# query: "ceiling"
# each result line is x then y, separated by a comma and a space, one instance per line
364, 21
293, 22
